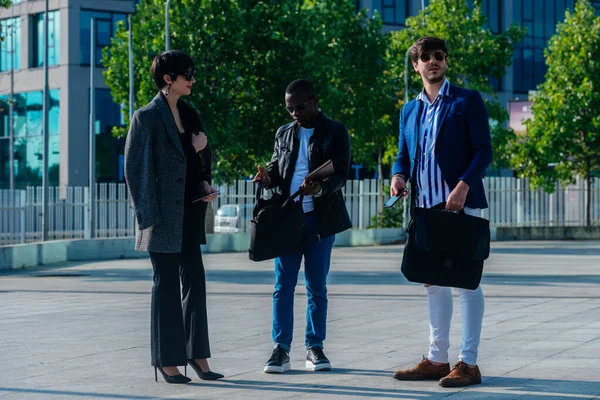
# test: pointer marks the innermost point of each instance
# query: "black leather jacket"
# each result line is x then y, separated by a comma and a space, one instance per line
330, 140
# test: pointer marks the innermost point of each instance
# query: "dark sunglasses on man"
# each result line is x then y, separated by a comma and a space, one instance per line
438, 55
298, 107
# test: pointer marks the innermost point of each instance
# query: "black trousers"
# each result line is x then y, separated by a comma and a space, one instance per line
179, 334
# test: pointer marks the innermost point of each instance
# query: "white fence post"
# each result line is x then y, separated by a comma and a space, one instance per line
520, 190
22, 215
86, 208
361, 204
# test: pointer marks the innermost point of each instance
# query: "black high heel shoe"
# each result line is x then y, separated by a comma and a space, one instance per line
205, 376
170, 379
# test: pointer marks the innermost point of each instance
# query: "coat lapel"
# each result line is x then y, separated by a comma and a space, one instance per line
414, 120
446, 103
169, 121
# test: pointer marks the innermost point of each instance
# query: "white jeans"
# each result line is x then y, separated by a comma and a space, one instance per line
440, 316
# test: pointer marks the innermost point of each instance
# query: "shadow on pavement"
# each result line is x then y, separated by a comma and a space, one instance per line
363, 278
500, 388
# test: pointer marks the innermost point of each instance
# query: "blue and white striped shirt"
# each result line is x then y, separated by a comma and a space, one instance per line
433, 189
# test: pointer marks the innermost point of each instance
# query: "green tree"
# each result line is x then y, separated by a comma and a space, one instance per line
246, 54
563, 138
476, 54
4, 4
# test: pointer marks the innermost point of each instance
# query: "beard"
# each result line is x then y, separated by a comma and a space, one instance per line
436, 79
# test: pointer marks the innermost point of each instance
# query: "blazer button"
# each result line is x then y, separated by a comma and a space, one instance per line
182, 159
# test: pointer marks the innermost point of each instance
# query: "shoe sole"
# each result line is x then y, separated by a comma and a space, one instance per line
419, 378
460, 384
274, 369
318, 367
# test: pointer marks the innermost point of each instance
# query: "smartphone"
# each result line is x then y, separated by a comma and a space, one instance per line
206, 195
392, 200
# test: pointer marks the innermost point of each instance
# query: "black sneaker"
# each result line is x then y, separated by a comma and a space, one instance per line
316, 360
279, 361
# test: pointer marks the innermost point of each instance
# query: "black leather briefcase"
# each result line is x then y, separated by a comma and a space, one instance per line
276, 226
445, 249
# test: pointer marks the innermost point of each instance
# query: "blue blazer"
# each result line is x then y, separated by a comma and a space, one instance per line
463, 146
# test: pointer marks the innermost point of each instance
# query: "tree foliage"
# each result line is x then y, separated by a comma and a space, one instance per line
563, 138
4, 4
476, 54
246, 52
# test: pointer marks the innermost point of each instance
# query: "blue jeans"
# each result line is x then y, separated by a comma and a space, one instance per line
317, 257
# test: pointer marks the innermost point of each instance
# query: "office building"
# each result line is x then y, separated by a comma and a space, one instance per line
21, 71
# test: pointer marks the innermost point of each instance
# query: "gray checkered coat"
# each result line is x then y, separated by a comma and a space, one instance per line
155, 168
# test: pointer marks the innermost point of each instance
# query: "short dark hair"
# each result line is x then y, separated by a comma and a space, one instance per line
301, 86
172, 62
426, 44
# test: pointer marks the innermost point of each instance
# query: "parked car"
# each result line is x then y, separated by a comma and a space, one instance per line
233, 218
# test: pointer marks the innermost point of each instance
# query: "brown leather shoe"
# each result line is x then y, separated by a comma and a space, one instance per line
461, 375
424, 370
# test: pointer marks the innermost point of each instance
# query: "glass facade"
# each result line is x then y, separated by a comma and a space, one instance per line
37, 59
108, 148
106, 26
10, 49
491, 8
27, 119
540, 18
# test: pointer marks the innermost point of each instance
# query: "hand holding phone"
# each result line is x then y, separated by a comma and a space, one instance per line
392, 200
204, 196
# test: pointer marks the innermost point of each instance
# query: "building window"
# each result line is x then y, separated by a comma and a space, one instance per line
37, 59
28, 153
106, 26
491, 9
108, 148
10, 50
393, 12
540, 18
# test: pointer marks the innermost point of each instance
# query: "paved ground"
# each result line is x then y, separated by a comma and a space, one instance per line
81, 331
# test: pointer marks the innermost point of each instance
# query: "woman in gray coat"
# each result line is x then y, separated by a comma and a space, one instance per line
168, 174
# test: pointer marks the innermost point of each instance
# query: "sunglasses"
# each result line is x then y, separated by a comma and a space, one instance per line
298, 107
438, 55
189, 75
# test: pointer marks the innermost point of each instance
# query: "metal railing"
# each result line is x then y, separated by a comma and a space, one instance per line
511, 201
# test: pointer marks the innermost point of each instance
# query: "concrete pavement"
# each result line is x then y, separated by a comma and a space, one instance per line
81, 330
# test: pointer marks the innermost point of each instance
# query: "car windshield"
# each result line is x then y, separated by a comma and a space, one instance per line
227, 211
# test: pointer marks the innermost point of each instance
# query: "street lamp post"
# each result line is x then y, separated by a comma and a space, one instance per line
167, 31
406, 72
92, 134
45, 136
131, 93
406, 64
11, 128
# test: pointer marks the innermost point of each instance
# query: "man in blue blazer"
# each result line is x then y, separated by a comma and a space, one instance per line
444, 147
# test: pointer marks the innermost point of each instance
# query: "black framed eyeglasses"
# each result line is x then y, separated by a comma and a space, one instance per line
438, 55
298, 107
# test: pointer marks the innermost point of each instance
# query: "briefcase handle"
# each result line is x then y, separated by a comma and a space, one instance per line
292, 197
259, 189
442, 206
288, 201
